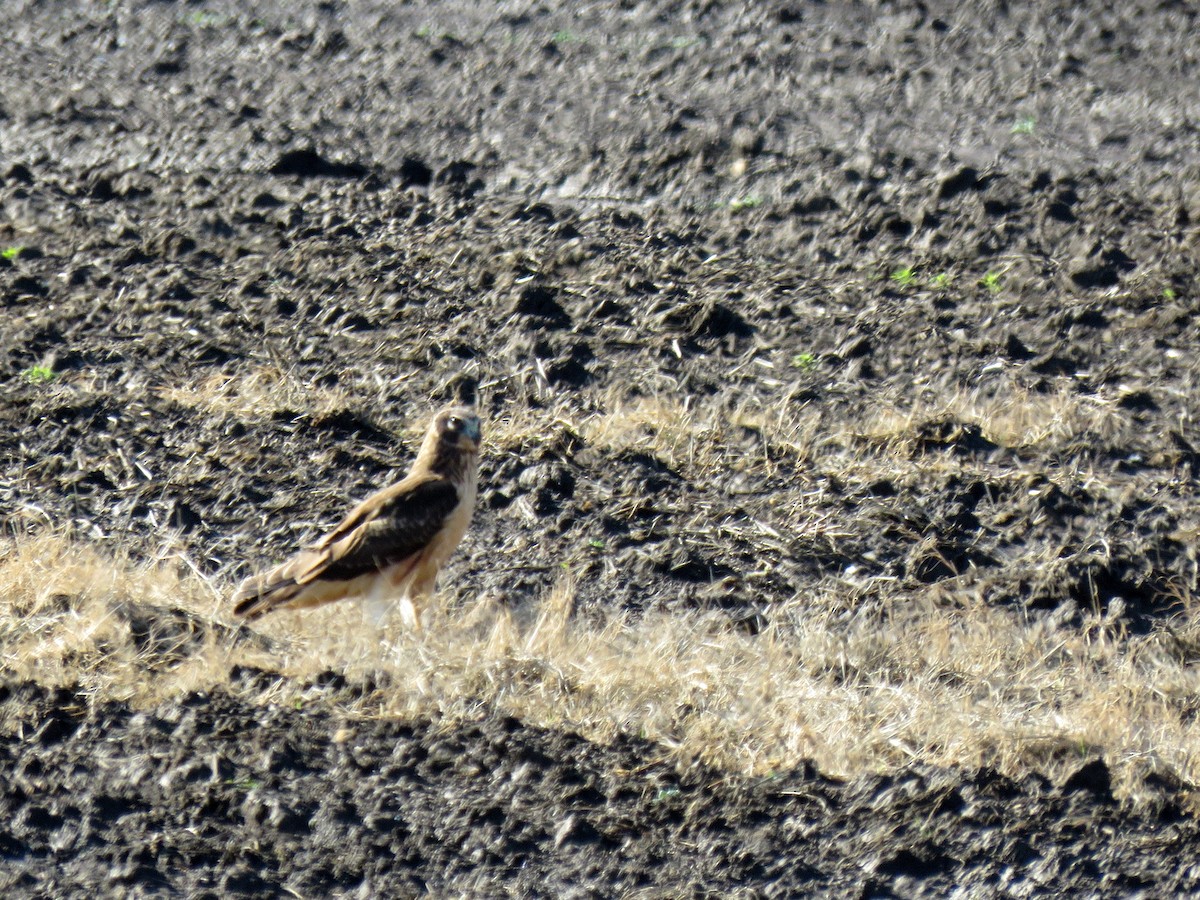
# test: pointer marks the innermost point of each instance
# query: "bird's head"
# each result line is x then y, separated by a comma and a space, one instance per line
458, 427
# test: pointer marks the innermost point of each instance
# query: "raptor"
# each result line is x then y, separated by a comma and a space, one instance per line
388, 549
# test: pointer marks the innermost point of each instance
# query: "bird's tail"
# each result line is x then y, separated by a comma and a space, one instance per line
259, 595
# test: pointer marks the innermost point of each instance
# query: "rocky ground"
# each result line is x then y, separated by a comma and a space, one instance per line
753, 299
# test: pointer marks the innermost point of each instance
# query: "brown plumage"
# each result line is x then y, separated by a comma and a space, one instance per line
391, 546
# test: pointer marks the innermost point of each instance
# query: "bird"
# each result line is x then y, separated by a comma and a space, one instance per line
389, 548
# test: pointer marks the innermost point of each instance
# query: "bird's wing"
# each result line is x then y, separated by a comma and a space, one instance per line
387, 527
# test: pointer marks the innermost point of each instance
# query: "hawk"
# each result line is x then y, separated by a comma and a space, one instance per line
391, 546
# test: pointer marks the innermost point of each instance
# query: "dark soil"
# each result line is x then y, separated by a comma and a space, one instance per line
415, 203
213, 797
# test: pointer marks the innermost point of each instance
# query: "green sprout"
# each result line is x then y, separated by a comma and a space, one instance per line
202, 19
39, 374
666, 793
12, 252
431, 32
804, 361
1023, 126
596, 544
904, 277
1168, 293
991, 281
941, 279
745, 203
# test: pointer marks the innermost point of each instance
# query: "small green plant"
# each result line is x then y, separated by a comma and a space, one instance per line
940, 280
12, 252
1023, 126
566, 37
804, 361
596, 544
666, 793
202, 19
1168, 293
750, 202
905, 276
39, 374
427, 32
991, 281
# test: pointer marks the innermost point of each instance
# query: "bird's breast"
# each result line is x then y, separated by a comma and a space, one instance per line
456, 525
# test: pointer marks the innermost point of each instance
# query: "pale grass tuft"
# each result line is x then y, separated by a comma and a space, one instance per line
64, 609
666, 425
1015, 418
524, 426
259, 392
697, 442
855, 678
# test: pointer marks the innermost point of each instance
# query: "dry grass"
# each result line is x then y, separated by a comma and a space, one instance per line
696, 442
62, 619
257, 393
856, 678
688, 440
1015, 417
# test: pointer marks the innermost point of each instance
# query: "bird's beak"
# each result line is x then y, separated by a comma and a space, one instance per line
472, 433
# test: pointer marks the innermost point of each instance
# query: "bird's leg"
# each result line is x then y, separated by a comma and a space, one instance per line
416, 598
408, 614
377, 605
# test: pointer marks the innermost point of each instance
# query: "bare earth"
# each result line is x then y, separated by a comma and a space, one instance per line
843, 313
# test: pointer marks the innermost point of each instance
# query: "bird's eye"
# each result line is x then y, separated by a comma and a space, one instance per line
454, 422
